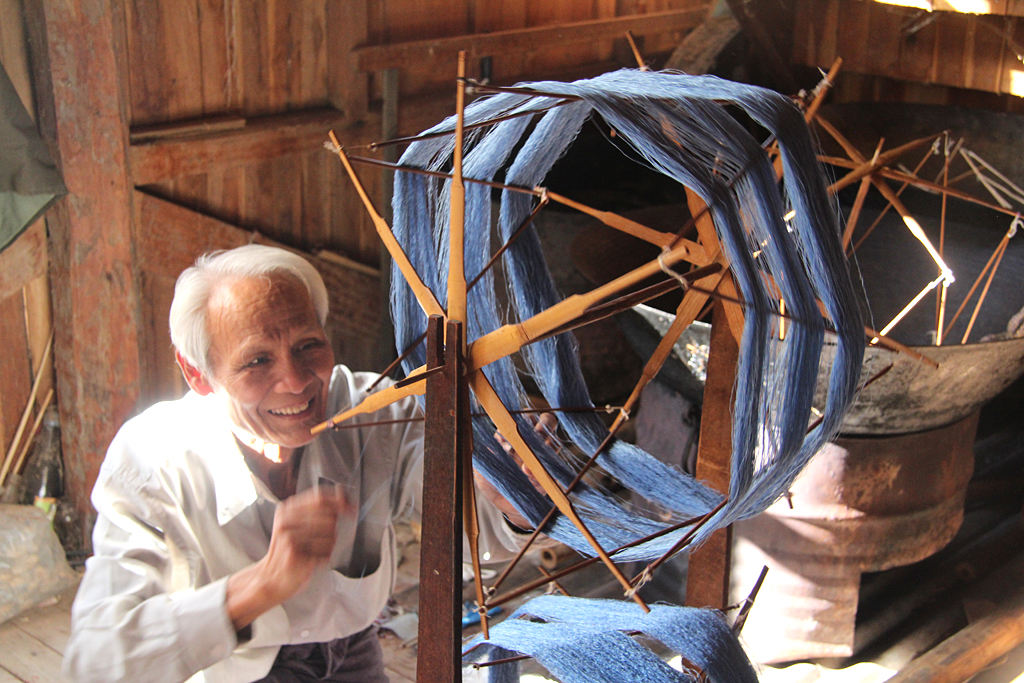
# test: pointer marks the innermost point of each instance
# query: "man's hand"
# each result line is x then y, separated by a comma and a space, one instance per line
301, 542
547, 425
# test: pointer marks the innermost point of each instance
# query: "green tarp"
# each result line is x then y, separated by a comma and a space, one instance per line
29, 180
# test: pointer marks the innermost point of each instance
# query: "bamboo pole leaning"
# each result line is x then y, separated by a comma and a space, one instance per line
26, 413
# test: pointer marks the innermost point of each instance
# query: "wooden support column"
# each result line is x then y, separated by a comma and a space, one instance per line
445, 440
81, 88
707, 580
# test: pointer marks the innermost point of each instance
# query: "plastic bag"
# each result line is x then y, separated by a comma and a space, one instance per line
32, 563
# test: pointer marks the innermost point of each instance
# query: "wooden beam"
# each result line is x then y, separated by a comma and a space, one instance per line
961, 656
259, 139
754, 26
396, 55
446, 438
707, 580
347, 26
24, 260
82, 108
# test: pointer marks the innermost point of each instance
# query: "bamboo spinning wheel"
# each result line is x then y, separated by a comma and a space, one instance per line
454, 368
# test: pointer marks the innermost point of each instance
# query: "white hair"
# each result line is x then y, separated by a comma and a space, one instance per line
189, 332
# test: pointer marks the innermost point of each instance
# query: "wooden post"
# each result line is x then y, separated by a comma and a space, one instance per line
80, 77
389, 129
445, 442
707, 580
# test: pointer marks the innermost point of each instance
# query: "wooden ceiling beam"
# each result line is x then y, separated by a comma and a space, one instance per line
257, 139
396, 55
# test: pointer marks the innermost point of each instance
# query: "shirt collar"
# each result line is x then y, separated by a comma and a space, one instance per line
233, 484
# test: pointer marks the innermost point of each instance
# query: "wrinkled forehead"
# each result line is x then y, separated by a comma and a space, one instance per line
254, 306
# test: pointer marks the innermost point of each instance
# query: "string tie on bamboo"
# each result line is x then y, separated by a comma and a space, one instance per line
645, 576
1017, 223
665, 268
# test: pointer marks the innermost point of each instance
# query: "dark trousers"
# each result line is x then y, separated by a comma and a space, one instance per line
355, 659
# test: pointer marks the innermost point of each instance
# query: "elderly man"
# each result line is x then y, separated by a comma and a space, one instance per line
230, 545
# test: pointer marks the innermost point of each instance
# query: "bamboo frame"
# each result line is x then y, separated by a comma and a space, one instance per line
573, 311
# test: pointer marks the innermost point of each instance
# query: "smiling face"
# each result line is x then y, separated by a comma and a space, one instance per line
270, 358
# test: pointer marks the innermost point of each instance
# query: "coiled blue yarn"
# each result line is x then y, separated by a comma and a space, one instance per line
678, 125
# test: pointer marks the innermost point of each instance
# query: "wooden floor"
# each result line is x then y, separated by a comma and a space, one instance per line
32, 644
31, 647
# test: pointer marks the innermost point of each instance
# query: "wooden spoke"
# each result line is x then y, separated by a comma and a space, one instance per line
423, 294
457, 212
696, 256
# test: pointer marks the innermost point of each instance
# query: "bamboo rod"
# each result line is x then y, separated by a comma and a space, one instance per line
748, 603
32, 433
471, 520
984, 292
583, 564
441, 174
457, 212
407, 420
894, 345
988, 264
940, 304
510, 338
899, 192
858, 203
679, 545
457, 311
636, 52
472, 126
865, 167
512, 239
27, 412
375, 401
909, 307
424, 296
621, 223
485, 88
394, 364
887, 192
921, 183
942, 314
823, 87
508, 428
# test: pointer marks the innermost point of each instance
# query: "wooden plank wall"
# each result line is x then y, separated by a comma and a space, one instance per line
905, 54
394, 21
24, 285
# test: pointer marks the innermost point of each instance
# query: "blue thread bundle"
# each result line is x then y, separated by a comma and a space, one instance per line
580, 640
679, 126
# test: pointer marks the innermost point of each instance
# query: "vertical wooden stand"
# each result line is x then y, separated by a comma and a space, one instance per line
446, 445
707, 580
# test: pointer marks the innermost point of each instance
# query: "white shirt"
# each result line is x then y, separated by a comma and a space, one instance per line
179, 512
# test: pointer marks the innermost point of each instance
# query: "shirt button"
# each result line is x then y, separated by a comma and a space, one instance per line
304, 634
